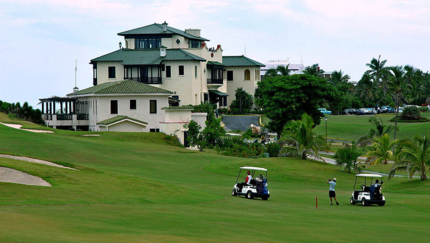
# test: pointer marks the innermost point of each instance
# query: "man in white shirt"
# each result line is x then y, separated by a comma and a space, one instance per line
248, 178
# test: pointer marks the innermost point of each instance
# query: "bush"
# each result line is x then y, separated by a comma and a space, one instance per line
237, 147
411, 113
273, 149
424, 109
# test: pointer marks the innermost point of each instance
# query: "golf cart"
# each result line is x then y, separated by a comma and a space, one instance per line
367, 193
257, 187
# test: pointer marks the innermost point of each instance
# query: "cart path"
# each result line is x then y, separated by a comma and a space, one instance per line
37, 161
333, 162
18, 177
18, 126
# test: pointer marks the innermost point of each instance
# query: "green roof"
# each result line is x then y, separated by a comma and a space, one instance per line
157, 29
122, 87
240, 61
117, 119
214, 63
219, 93
177, 108
146, 56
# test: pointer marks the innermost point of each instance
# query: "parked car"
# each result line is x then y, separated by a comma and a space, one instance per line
367, 193
256, 188
350, 111
324, 111
364, 111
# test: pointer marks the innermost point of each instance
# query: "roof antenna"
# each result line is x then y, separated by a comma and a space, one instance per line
76, 89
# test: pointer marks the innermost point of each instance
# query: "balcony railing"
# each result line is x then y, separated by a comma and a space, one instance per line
147, 80
63, 117
48, 117
82, 117
215, 81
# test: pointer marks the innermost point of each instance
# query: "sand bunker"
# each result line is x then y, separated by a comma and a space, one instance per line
18, 126
15, 176
37, 161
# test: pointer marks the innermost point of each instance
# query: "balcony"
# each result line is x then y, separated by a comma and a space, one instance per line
147, 80
215, 81
64, 117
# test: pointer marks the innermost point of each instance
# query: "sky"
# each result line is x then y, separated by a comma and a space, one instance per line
41, 39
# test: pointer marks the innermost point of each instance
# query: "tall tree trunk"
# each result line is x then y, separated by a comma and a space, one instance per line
304, 156
397, 114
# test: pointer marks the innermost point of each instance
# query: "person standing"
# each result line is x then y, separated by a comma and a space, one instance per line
331, 191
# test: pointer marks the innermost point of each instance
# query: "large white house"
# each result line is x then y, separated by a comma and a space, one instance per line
148, 84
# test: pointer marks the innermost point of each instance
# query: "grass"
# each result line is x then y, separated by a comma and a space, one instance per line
134, 187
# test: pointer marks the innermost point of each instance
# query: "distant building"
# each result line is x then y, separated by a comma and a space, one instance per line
294, 68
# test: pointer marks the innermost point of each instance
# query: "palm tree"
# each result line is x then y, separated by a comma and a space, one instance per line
398, 85
366, 88
314, 70
377, 67
347, 156
279, 71
338, 78
379, 130
413, 156
300, 139
414, 77
381, 150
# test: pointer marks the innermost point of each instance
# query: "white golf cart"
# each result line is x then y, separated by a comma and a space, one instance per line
257, 187
368, 193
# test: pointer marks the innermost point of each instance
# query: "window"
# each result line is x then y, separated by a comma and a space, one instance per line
147, 43
111, 72
229, 75
153, 107
176, 98
95, 74
257, 74
247, 74
206, 97
132, 104
194, 44
154, 130
114, 107
168, 72
181, 70
195, 71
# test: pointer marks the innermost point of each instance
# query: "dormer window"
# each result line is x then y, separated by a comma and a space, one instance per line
148, 43
194, 43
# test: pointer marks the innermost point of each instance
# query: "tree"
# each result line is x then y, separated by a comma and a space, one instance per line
195, 137
338, 78
381, 150
397, 85
278, 71
347, 156
377, 68
314, 70
366, 88
413, 156
300, 139
379, 130
213, 130
287, 98
243, 101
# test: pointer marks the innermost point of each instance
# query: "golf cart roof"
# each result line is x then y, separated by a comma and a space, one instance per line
252, 168
368, 175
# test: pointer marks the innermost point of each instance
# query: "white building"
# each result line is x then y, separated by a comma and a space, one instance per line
273, 64
148, 85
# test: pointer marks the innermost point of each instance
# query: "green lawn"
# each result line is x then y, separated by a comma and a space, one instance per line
138, 188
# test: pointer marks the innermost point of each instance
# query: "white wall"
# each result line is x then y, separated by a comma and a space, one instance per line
239, 81
126, 126
103, 72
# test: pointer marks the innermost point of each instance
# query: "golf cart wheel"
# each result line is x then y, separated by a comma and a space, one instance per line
363, 202
352, 201
233, 193
265, 198
249, 195
382, 204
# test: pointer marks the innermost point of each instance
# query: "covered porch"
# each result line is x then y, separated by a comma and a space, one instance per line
65, 113
148, 74
218, 97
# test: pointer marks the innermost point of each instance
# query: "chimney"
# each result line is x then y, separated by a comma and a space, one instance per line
164, 26
195, 32
163, 51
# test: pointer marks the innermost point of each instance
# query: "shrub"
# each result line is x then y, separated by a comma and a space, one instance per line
424, 109
273, 149
411, 113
